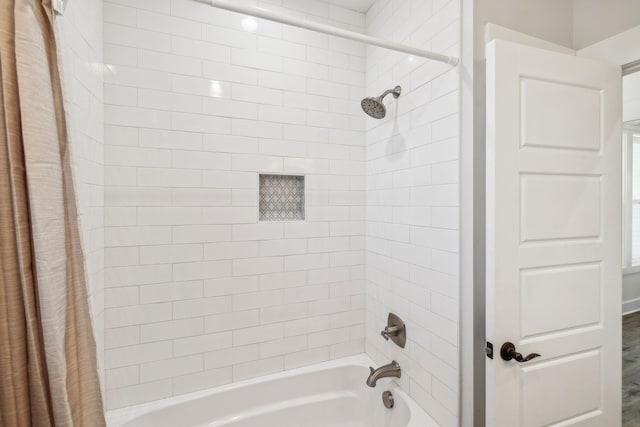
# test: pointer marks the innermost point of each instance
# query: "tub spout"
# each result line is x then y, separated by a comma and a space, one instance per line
390, 370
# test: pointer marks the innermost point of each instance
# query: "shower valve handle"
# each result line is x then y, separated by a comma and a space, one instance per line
389, 331
395, 330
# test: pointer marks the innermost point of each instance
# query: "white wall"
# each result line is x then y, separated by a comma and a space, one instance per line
198, 293
550, 20
596, 20
413, 201
79, 34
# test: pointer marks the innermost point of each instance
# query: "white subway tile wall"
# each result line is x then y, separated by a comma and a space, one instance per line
412, 206
79, 34
199, 292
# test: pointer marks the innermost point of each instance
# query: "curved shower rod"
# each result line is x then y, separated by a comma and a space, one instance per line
258, 12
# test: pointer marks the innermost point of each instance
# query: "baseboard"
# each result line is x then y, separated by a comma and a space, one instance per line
630, 306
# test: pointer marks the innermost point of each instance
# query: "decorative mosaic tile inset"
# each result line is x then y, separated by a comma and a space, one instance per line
281, 198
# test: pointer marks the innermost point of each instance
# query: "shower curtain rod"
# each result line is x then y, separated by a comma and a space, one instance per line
327, 29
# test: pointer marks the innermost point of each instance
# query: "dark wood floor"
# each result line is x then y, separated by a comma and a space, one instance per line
631, 370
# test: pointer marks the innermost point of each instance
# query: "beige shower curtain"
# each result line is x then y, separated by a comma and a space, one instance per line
48, 372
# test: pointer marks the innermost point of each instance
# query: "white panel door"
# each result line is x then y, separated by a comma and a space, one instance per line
553, 238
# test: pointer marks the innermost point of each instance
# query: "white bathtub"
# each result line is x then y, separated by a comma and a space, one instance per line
332, 394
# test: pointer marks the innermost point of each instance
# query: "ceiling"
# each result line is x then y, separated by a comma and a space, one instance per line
357, 5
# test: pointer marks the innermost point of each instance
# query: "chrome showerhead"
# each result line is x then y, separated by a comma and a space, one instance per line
374, 107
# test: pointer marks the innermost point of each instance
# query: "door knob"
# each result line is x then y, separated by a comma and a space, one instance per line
508, 352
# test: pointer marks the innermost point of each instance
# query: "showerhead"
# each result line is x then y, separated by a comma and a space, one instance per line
374, 107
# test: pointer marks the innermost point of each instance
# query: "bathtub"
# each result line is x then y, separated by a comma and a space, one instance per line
332, 394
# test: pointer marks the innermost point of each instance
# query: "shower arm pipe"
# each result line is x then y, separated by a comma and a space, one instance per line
258, 12
395, 91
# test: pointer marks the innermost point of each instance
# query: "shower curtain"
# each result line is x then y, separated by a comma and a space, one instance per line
48, 367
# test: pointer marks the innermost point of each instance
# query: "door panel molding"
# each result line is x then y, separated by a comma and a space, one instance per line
553, 242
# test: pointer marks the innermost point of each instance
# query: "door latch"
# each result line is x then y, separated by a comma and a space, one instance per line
488, 349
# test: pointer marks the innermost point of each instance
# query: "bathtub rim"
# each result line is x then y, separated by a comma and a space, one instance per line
119, 417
